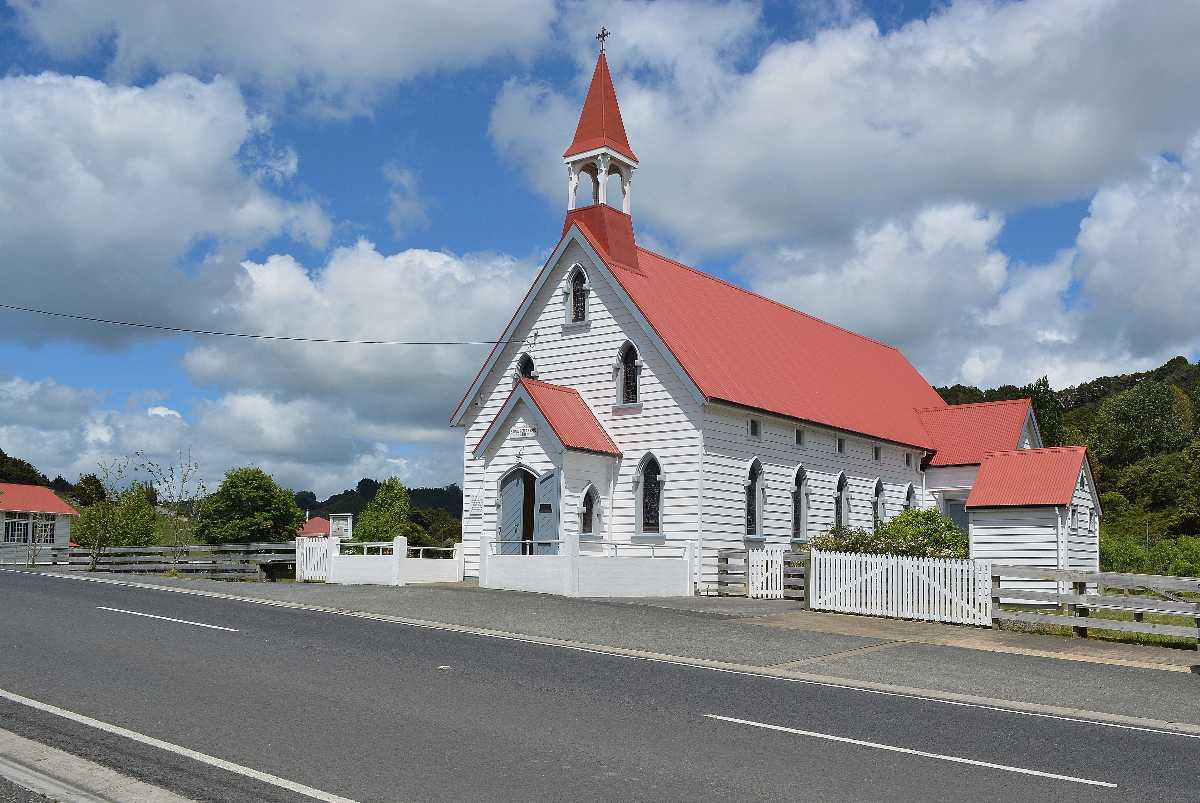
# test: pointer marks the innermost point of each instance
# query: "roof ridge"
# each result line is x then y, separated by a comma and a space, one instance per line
1037, 451
768, 299
969, 404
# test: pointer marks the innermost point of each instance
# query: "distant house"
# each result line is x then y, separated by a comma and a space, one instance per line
316, 527
34, 514
339, 524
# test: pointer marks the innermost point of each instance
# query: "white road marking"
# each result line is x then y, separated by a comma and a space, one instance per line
166, 619
203, 758
824, 681
910, 752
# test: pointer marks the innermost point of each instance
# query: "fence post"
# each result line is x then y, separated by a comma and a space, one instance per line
1081, 611
459, 560
399, 557
485, 552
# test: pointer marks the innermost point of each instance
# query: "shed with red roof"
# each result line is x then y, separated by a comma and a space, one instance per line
33, 514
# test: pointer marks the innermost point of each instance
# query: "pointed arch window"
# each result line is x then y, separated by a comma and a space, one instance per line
579, 296
525, 367
841, 503
910, 498
800, 506
878, 506
628, 370
754, 499
588, 514
651, 496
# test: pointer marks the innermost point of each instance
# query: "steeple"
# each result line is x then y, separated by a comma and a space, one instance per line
600, 146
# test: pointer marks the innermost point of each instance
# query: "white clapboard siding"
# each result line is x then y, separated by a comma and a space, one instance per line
584, 358
929, 589
1017, 536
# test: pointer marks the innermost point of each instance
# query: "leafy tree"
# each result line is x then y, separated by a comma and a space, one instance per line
103, 524
248, 507
306, 500
16, 470
89, 490
60, 485
1120, 553
178, 485
367, 488
387, 515
1149, 419
1048, 410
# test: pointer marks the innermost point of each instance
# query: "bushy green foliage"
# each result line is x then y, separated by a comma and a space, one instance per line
14, 469
1149, 419
89, 490
248, 507
1127, 553
130, 521
915, 533
387, 515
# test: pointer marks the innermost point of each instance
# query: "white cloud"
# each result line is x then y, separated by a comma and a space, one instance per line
160, 411
105, 190
406, 203
337, 57
1000, 105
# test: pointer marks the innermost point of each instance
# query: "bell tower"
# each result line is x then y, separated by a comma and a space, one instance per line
600, 147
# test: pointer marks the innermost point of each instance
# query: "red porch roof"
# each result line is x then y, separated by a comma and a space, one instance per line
964, 433
315, 527
1028, 477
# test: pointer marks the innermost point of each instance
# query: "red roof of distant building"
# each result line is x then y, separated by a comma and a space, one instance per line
742, 348
314, 527
600, 121
32, 499
964, 433
573, 422
1028, 477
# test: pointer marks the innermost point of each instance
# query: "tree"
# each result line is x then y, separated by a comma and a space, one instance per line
1048, 410
306, 500
367, 488
248, 506
16, 470
89, 490
60, 485
386, 515
179, 486
1149, 419
100, 524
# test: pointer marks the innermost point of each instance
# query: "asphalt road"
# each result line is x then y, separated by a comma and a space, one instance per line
372, 710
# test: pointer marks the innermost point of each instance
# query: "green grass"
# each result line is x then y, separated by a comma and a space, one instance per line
1114, 636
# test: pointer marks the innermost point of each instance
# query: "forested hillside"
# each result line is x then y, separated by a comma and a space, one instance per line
1142, 437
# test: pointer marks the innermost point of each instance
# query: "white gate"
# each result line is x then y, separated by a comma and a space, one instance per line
932, 589
764, 567
312, 559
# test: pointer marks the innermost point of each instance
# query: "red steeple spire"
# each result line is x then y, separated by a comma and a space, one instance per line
600, 122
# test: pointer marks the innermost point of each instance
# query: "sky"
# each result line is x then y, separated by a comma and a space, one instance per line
1000, 189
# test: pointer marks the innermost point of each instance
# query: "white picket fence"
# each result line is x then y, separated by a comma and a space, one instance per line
930, 589
312, 559
765, 572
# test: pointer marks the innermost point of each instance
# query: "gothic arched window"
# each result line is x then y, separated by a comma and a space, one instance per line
525, 367
910, 498
579, 296
627, 375
753, 492
841, 503
651, 502
878, 510
800, 506
588, 514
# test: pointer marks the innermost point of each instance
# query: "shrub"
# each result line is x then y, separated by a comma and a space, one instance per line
386, 516
248, 507
129, 522
1120, 553
915, 533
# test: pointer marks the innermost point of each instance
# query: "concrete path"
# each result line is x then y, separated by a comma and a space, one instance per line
1042, 672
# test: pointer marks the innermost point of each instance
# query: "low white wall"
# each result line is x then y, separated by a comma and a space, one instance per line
433, 570
359, 570
573, 575
396, 569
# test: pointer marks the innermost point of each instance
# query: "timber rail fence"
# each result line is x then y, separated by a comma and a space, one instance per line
1082, 593
735, 570
219, 561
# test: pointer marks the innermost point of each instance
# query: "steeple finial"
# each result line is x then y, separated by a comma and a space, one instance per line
604, 34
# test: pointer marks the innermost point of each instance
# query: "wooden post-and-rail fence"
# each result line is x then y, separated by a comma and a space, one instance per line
217, 561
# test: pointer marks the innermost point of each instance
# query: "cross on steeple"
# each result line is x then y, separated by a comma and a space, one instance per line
604, 34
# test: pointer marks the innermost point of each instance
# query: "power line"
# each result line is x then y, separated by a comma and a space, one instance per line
183, 330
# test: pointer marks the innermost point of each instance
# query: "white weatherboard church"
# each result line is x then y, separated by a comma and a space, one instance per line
637, 400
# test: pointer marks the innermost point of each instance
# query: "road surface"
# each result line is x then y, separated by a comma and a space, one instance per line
316, 704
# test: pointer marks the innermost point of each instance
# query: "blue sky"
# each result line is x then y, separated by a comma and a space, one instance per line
1000, 189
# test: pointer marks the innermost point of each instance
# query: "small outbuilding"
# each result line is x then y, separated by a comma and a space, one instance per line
1036, 507
33, 514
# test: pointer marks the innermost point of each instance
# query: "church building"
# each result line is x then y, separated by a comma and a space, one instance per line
635, 400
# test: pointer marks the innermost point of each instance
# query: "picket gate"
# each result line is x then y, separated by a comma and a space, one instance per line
312, 559
930, 589
765, 568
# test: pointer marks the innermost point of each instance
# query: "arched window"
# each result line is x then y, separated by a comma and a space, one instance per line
800, 506
753, 497
627, 375
525, 367
841, 503
651, 501
878, 506
910, 498
587, 513
579, 296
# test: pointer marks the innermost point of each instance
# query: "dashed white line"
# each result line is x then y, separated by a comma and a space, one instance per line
166, 618
186, 752
911, 752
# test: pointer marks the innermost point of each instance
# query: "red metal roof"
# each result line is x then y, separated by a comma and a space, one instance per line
315, 527
600, 121
573, 422
742, 348
964, 433
32, 499
1028, 477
